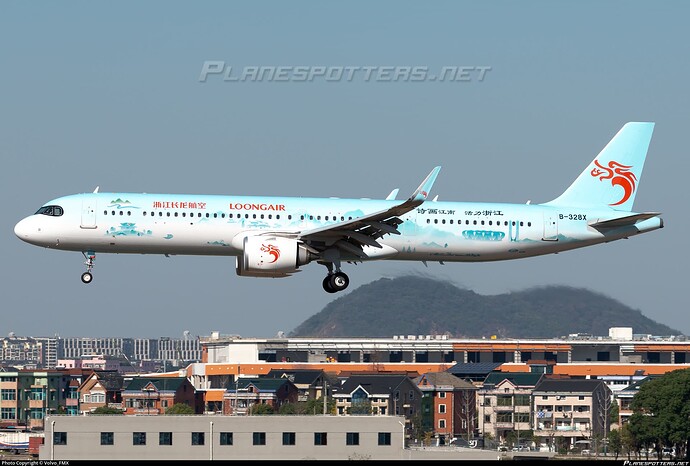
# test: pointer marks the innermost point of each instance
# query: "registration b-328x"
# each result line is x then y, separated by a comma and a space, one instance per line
276, 236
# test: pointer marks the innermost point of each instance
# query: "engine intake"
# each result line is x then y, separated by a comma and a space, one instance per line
271, 256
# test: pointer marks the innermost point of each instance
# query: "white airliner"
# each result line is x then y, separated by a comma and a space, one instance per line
275, 236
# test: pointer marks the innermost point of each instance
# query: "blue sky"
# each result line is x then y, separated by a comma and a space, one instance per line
108, 94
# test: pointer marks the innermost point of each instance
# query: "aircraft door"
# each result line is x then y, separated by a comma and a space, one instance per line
88, 211
550, 227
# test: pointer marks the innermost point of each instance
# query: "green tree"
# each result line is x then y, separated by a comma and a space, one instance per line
613, 414
179, 408
261, 409
287, 409
627, 439
615, 442
106, 410
315, 406
661, 413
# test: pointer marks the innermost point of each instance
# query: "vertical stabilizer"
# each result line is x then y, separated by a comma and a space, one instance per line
613, 177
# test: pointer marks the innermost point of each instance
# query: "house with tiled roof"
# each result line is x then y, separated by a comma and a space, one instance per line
379, 395
247, 392
310, 383
449, 406
100, 389
154, 395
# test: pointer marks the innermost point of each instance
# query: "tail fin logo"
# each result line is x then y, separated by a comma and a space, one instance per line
620, 175
272, 250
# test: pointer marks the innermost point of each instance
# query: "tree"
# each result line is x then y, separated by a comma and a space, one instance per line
613, 414
179, 408
628, 440
615, 442
661, 413
316, 406
261, 409
287, 409
106, 410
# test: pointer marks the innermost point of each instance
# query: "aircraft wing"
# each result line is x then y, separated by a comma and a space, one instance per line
351, 235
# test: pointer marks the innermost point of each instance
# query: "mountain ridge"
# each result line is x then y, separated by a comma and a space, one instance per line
392, 306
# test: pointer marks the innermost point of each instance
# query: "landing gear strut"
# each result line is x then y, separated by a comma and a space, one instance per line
90, 257
335, 282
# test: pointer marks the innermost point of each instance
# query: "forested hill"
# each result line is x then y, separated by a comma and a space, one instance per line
413, 305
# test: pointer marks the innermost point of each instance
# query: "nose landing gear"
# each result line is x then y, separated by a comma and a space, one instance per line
90, 257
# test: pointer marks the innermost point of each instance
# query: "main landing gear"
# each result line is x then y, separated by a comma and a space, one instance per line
90, 257
337, 281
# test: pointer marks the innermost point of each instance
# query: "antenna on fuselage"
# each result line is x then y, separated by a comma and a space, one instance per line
96, 190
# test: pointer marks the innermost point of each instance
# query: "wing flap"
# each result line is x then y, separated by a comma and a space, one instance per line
365, 230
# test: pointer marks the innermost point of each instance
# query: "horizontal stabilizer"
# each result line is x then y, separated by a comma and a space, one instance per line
624, 221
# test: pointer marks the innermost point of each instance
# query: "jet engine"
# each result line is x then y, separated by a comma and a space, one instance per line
272, 256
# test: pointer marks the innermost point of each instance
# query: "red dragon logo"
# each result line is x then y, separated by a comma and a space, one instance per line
272, 250
619, 175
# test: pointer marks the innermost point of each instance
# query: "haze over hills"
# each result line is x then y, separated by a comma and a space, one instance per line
414, 305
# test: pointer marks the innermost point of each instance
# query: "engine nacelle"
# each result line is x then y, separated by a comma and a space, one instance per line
271, 256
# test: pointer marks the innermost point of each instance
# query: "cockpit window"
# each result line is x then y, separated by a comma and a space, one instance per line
51, 210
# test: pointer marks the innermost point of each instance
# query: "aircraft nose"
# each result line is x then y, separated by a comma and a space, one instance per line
24, 229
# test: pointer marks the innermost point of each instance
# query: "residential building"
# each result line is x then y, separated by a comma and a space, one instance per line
101, 389
246, 393
154, 395
505, 404
625, 396
310, 383
571, 410
449, 406
27, 396
380, 395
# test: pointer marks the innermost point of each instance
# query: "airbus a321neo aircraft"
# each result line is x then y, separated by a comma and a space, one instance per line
275, 236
